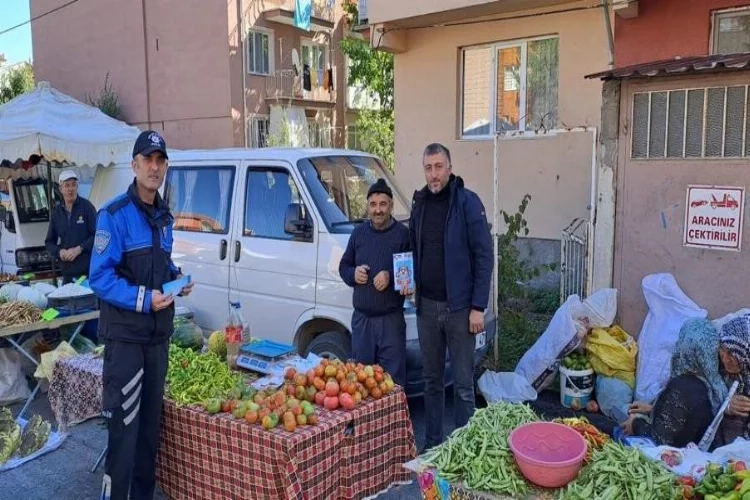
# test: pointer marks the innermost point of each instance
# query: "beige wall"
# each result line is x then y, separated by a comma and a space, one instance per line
186, 75
427, 97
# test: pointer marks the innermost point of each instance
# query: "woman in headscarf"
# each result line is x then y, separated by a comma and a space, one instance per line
735, 358
685, 408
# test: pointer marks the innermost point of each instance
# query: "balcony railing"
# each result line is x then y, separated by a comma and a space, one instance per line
284, 84
321, 9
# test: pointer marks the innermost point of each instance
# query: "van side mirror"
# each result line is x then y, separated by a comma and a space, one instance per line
6, 217
295, 221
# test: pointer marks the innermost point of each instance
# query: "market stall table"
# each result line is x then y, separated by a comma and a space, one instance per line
348, 454
14, 335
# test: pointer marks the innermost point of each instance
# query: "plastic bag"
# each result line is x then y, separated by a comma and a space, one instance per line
565, 333
505, 386
13, 386
669, 308
535, 365
613, 353
49, 359
614, 397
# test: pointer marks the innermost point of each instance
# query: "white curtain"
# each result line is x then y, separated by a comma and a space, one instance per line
191, 177
225, 193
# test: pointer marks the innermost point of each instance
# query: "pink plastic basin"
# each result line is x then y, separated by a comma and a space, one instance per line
548, 454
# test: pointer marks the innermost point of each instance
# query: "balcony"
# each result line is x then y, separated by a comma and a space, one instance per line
411, 13
284, 85
282, 12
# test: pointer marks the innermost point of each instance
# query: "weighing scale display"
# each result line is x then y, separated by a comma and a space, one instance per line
253, 363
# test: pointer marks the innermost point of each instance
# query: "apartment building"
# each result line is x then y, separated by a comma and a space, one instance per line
205, 74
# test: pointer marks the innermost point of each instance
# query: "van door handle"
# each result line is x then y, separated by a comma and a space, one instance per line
223, 250
237, 250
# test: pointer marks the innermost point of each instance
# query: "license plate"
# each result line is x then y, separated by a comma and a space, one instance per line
480, 339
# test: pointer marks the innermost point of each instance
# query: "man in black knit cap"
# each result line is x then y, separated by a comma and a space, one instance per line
453, 263
378, 326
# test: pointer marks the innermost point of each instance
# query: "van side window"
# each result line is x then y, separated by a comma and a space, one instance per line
268, 194
200, 198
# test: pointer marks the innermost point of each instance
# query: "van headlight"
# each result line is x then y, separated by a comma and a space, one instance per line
32, 257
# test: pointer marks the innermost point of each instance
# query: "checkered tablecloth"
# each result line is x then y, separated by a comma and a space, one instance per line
347, 455
75, 391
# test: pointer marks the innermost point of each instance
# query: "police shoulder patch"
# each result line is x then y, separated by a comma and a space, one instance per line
101, 240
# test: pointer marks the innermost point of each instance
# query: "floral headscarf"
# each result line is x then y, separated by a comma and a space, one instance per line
697, 353
735, 337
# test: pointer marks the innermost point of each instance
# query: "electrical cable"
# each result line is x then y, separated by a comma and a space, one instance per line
31, 20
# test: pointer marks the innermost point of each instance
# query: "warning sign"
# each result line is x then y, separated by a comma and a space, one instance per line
713, 217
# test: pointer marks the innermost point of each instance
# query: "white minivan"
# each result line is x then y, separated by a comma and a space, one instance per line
267, 227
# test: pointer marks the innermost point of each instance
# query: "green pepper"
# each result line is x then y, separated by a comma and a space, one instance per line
731, 496
715, 469
745, 488
746, 495
709, 484
726, 482
710, 497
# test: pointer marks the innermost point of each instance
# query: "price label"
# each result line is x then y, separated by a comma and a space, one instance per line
27, 276
80, 280
50, 314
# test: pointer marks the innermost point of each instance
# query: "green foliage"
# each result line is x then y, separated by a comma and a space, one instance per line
372, 70
377, 134
107, 101
282, 138
16, 81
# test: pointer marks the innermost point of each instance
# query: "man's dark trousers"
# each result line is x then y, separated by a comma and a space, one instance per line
134, 375
439, 328
381, 340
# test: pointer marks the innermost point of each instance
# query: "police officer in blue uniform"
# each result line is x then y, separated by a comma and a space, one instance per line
130, 263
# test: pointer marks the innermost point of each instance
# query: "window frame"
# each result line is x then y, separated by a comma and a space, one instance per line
233, 168
310, 43
271, 42
523, 43
716, 15
253, 120
310, 238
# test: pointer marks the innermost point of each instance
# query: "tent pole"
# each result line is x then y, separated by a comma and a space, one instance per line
50, 199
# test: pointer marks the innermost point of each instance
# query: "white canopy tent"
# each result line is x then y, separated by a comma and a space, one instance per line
63, 131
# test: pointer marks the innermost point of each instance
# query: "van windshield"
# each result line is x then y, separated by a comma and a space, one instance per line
339, 184
31, 201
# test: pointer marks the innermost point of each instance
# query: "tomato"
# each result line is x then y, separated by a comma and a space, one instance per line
738, 466
686, 481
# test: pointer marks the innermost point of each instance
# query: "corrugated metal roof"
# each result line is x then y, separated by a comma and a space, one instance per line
680, 66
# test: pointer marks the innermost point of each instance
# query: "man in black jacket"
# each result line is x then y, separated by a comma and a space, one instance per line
72, 226
378, 325
453, 263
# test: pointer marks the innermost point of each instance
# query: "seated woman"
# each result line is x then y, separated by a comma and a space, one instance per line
735, 358
685, 408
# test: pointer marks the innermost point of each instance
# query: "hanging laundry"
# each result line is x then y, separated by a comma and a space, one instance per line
329, 77
302, 14
306, 84
327, 81
314, 77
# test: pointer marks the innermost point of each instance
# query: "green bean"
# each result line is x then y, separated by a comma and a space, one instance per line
617, 472
478, 453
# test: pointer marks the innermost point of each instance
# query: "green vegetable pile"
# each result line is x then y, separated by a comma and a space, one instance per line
619, 473
35, 436
576, 361
193, 377
10, 435
479, 453
720, 483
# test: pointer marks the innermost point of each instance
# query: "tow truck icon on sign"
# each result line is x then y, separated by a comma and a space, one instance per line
727, 201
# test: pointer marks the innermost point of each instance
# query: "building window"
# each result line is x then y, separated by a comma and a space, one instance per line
259, 130
199, 198
315, 55
259, 51
319, 135
691, 123
509, 87
731, 31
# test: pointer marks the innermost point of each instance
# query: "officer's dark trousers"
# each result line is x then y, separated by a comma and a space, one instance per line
133, 389
381, 340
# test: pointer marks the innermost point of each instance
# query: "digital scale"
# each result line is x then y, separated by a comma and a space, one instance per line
261, 356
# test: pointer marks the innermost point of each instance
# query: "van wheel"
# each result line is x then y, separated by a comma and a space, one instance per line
332, 345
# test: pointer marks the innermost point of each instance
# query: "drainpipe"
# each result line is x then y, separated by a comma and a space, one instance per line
610, 36
145, 58
241, 43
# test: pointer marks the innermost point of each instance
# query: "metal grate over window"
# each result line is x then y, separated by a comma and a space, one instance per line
711, 122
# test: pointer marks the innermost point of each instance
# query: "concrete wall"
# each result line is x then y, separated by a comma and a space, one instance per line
651, 217
428, 93
665, 29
